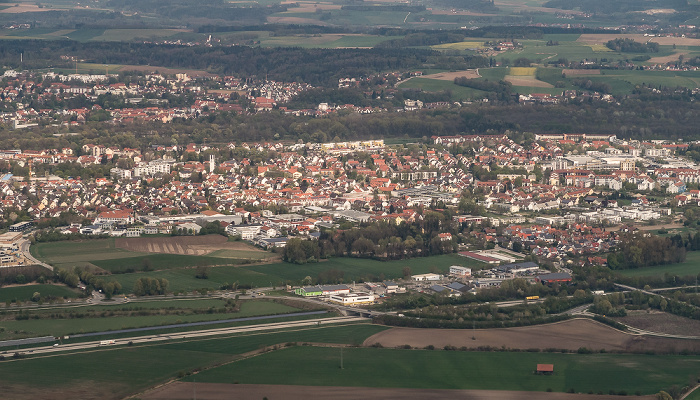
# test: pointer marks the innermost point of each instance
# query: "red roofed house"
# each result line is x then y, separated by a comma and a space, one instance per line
116, 217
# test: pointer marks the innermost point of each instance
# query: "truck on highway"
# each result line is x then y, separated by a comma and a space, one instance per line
107, 342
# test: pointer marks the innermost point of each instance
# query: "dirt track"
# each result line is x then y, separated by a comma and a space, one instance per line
221, 391
570, 334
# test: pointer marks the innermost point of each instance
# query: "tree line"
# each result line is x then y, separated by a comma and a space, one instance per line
637, 251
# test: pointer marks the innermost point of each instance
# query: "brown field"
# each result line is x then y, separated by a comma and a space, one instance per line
461, 12
602, 38
221, 391
295, 20
450, 76
309, 7
193, 245
520, 5
22, 8
669, 58
528, 81
577, 72
571, 335
657, 321
164, 70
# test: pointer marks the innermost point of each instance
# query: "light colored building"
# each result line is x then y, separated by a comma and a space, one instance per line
426, 277
115, 217
459, 270
351, 299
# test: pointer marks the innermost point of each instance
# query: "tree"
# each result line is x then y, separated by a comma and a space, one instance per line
406, 272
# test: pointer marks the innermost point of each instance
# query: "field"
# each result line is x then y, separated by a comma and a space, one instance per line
116, 373
450, 76
570, 334
230, 260
78, 321
691, 266
328, 40
522, 71
458, 370
435, 85
215, 391
601, 39
154, 253
192, 245
656, 321
25, 293
465, 45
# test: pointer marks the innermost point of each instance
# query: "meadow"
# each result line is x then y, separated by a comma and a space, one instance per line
691, 266
80, 320
459, 370
436, 85
103, 253
25, 293
180, 270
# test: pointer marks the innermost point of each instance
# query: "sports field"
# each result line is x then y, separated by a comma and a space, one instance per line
459, 370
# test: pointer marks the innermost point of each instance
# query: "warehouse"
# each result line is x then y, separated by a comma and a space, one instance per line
350, 299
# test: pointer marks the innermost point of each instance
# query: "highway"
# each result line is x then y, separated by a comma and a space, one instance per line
183, 335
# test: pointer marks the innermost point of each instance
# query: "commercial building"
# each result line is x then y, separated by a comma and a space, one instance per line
459, 270
426, 277
350, 299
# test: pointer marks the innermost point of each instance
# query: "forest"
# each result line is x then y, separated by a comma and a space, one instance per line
318, 67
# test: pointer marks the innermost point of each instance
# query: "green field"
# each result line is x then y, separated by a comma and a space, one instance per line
436, 85
459, 370
116, 373
71, 325
355, 269
179, 271
25, 293
691, 266
329, 41
102, 253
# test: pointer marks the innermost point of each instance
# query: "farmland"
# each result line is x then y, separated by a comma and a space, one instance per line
25, 293
60, 322
123, 255
570, 335
115, 373
459, 370
691, 266
230, 260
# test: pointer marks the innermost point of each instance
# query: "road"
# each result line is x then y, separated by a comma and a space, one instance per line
24, 251
185, 335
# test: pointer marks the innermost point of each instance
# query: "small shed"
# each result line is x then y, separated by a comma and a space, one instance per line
545, 369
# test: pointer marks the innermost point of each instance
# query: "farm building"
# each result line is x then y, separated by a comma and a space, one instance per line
545, 369
561, 277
